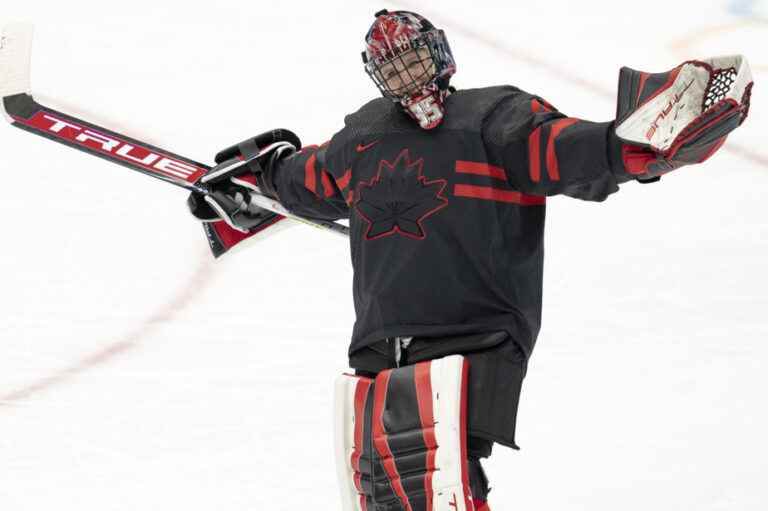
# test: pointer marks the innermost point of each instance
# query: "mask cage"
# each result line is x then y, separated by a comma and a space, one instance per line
439, 54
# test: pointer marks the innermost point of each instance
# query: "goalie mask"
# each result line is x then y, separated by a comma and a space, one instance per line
411, 63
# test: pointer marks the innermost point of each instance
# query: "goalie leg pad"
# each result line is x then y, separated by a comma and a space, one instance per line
401, 438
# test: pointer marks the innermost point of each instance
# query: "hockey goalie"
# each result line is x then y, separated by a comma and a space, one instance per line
445, 191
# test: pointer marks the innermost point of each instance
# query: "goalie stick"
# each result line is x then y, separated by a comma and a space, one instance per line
22, 111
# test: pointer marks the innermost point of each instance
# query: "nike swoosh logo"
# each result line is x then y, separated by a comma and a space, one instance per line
360, 147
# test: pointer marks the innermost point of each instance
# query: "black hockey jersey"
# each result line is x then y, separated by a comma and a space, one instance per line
447, 225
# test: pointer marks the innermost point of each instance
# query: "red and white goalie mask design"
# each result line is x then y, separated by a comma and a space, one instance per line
411, 63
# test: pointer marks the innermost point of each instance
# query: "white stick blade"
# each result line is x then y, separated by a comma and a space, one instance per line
15, 56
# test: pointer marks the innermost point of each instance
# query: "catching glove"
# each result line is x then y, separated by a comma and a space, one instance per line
681, 117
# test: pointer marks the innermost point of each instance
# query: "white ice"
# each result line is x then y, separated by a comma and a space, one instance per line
138, 374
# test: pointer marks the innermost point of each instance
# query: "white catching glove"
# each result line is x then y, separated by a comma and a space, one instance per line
680, 117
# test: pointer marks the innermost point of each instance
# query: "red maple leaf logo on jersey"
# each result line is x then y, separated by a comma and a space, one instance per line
399, 198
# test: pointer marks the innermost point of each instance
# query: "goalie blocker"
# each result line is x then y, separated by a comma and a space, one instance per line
401, 440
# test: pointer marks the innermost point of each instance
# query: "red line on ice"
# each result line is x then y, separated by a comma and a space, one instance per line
185, 296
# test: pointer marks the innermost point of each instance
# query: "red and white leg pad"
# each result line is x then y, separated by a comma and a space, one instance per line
401, 438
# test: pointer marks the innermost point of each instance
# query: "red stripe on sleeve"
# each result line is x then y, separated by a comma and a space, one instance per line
343, 181
314, 146
496, 194
480, 169
534, 155
422, 376
552, 165
540, 106
310, 179
327, 186
309, 147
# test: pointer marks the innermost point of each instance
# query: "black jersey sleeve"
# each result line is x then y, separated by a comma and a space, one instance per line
312, 182
547, 153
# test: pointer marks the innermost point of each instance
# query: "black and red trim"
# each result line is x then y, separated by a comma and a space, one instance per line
314, 174
637, 159
534, 154
423, 383
343, 181
222, 237
469, 505
553, 168
363, 391
381, 439
548, 155
310, 174
404, 437
539, 105
637, 88
491, 193
498, 195
705, 123
411, 224
480, 169
545, 155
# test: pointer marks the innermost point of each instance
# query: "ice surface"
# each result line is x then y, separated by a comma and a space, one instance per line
136, 373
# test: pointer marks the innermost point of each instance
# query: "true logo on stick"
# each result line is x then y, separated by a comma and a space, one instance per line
131, 153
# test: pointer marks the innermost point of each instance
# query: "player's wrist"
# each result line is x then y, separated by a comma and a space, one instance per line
255, 160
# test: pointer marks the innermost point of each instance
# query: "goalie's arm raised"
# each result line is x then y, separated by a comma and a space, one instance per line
683, 116
244, 185
664, 121
546, 153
